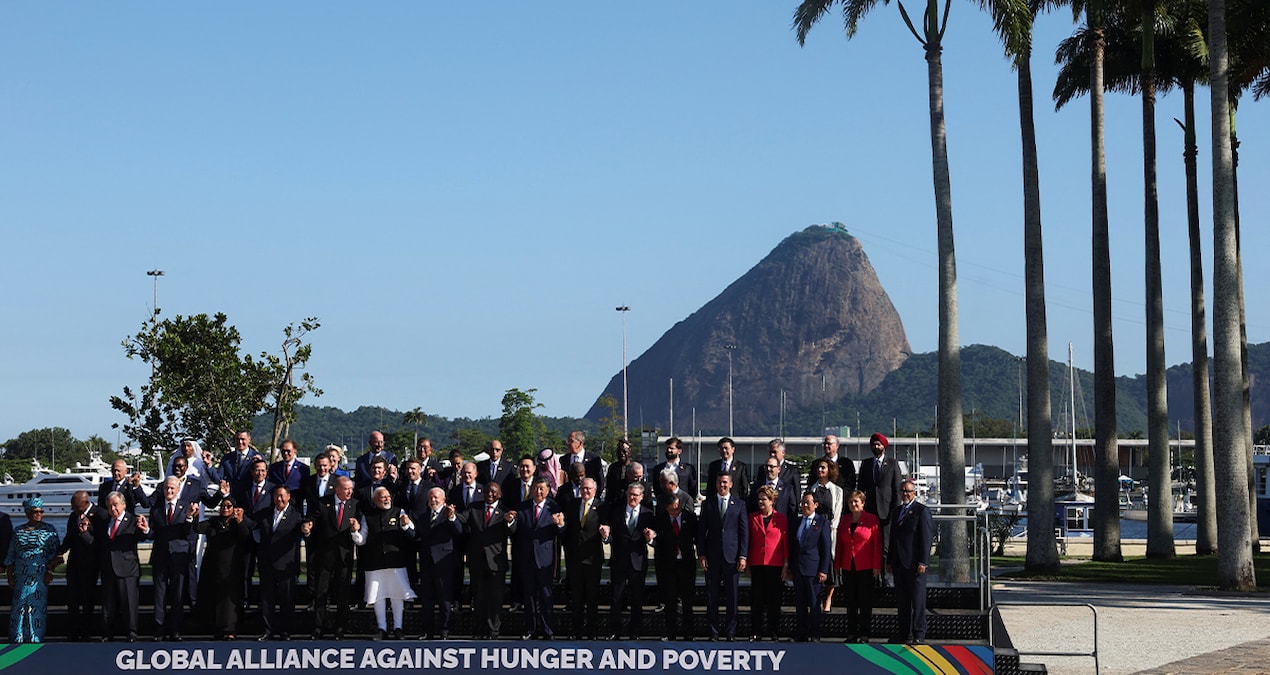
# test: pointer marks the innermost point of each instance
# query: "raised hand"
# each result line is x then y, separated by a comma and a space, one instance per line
449, 511
193, 511
604, 531
355, 525
135, 479
306, 527
557, 518
143, 523
238, 514
510, 517
649, 535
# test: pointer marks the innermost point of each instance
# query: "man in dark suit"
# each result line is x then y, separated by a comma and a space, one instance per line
174, 547
723, 542
879, 479
288, 471
785, 493
615, 474
128, 486
533, 553
846, 467
84, 565
331, 546
668, 485
317, 485
278, 532
440, 556
469, 491
365, 492
911, 539
192, 489
789, 471
429, 466
120, 566
496, 469
675, 552
631, 531
571, 491
810, 563
577, 453
254, 496
235, 465
584, 532
728, 463
487, 530
518, 488
376, 443
674, 460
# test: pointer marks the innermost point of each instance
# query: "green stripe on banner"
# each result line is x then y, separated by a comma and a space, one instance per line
17, 653
888, 658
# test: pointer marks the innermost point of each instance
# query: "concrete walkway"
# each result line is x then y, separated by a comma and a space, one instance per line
1141, 628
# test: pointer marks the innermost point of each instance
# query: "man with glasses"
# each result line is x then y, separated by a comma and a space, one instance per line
786, 500
846, 468
911, 540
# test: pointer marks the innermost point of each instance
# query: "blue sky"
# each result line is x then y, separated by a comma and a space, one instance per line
463, 192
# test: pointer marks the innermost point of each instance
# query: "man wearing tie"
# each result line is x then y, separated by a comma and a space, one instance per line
277, 533
810, 564
235, 466
911, 539
84, 565
675, 552
846, 467
729, 464
495, 469
333, 523
879, 479
785, 499
631, 533
376, 451
288, 471
120, 565
440, 556
317, 485
487, 530
584, 534
468, 491
533, 550
170, 557
378, 478
128, 486
579, 454
518, 489
722, 546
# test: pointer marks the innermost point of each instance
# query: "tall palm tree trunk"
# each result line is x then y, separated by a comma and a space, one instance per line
1160, 508
1234, 538
1243, 334
954, 552
1205, 485
1106, 455
1042, 551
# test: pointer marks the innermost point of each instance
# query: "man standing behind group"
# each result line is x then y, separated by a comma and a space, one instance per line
579, 454
376, 443
615, 476
129, 487
429, 466
729, 464
879, 479
911, 539
722, 546
674, 460
235, 465
288, 471
319, 484
496, 469
846, 468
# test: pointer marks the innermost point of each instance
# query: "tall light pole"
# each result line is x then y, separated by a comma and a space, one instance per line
623, 309
729, 347
156, 274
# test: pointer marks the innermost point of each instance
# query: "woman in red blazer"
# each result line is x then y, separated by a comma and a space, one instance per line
769, 548
859, 556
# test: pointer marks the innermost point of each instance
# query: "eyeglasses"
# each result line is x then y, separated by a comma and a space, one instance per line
909, 492
37, 510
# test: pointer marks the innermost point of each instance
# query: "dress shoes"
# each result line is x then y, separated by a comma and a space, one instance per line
397, 634
445, 635
339, 634
917, 641
753, 638
526, 637
265, 638
317, 635
176, 637
381, 635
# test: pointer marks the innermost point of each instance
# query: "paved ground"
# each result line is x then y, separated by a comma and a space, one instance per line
1141, 628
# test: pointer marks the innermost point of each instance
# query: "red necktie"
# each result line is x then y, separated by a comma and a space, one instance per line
170, 513
675, 524
257, 497
114, 528
287, 473
339, 514
489, 513
537, 513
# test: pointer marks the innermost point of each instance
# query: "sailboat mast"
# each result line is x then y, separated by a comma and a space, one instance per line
1071, 383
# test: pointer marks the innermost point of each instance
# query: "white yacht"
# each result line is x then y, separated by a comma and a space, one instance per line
57, 488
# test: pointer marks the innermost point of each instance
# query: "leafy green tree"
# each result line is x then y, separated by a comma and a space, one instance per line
285, 392
470, 442
44, 444
611, 429
520, 428
400, 442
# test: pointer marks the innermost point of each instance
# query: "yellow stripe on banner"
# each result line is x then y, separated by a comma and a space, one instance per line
935, 661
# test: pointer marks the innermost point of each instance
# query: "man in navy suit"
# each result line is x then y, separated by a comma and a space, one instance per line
440, 556
729, 464
376, 443
254, 495
469, 491
578, 453
496, 469
128, 486
487, 529
811, 563
723, 542
277, 532
674, 460
533, 554
235, 465
120, 565
170, 557
911, 539
879, 479
84, 566
288, 471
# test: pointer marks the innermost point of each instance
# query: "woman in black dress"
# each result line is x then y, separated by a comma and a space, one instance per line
220, 581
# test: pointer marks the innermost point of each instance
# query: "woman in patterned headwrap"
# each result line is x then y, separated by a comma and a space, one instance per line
29, 565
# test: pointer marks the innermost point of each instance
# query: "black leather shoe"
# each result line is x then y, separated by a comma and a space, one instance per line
265, 638
445, 635
339, 634
286, 637
176, 637
917, 641
398, 634
317, 635
526, 637
753, 638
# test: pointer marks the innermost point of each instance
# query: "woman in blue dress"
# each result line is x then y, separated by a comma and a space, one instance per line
29, 565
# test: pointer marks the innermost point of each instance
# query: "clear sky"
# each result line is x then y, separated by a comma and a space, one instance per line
463, 192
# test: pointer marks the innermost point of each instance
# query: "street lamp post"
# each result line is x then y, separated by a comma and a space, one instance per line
154, 313
623, 309
729, 347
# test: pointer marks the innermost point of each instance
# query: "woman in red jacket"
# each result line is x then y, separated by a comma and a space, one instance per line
859, 556
769, 548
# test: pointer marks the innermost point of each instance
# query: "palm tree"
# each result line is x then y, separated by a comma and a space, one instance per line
415, 418
1234, 562
952, 459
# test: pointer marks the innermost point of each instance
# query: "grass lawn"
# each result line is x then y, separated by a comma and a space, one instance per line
1196, 570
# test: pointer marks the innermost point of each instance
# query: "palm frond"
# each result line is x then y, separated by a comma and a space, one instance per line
806, 15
